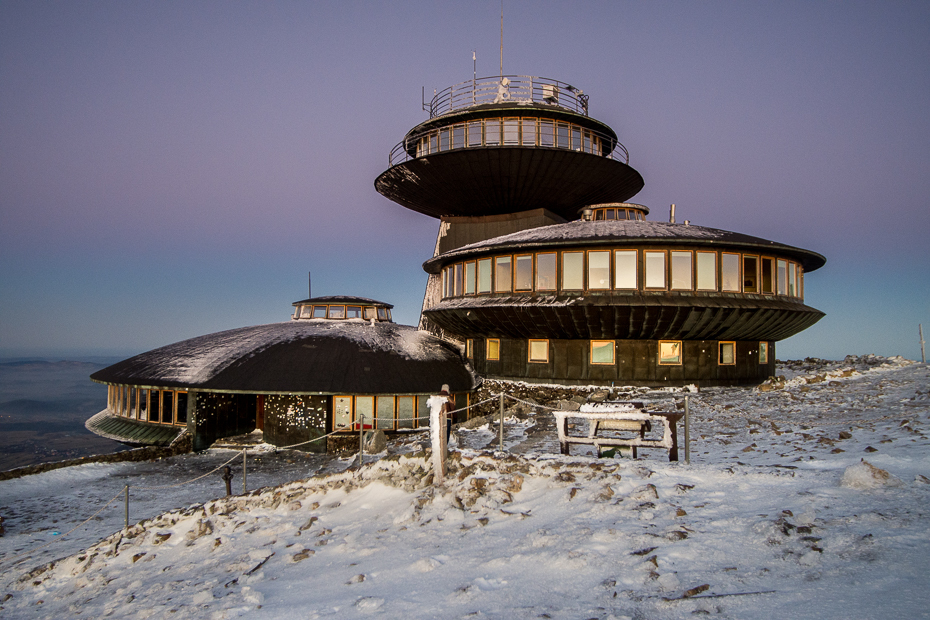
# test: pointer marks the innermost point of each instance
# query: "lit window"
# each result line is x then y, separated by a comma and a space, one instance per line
655, 269
681, 271
539, 351
730, 275
470, 278
503, 275
342, 412
598, 270
767, 279
750, 278
364, 411
337, 312
470, 348
319, 312
484, 275
782, 277
670, 352
602, 351
572, 271
763, 353
625, 269
727, 355
354, 312
545, 272
493, 352
707, 271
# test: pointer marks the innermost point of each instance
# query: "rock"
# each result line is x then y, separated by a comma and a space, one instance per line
475, 422
599, 396
569, 405
845, 435
921, 479
645, 493
375, 442
864, 475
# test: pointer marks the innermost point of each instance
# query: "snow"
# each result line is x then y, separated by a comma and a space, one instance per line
783, 512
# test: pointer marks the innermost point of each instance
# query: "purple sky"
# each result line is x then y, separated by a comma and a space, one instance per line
172, 169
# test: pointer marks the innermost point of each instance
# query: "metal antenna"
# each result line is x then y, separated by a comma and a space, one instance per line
474, 73
502, 39
309, 285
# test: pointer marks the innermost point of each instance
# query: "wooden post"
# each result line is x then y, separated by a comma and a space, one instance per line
501, 440
687, 429
361, 438
920, 330
244, 458
127, 507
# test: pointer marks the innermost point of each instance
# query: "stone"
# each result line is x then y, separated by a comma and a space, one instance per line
376, 442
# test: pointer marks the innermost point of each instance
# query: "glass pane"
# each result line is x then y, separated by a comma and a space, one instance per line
422, 418
750, 278
484, 275
319, 312
502, 275
669, 352
167, 406
306, 312
572, 271
405, 406
493, 349
539, 350
767, 276
730, 277
470, 348
354, 312
610, 214
625, 269
562, 136
599, 214
182, 408
474, 133
524, 279
459, 279
470, 278
492, 132
131, 412
444, 135
382, 314
545, 272
370, 313
792, 280
598, 270
763, 353
602, 351
782, 277
587, 142
576, 138
655, 269
143, 404
342, 412
458, 136
511, 131
154, 407
433, 142
385, 412
528, 131
337, 312
706, 271
727, 353
546, 133
364, 411
681, 271
621, 214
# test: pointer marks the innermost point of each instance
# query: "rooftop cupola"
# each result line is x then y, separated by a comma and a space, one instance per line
342, 308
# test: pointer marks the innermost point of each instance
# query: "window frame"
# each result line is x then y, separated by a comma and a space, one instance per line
609, 279
678, 360
529, 350
516, 259
664, 271
497, 274
489, 269
470, 278
739, 273
470, 348
566, 272
487, 349
720, 345
618, 272
763, 352
755, 274
613, 353
555, 274
671, 264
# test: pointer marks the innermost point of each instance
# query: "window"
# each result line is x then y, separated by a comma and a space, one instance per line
792, 279
782, 277
562, 136
767, 276
354, 312
181, 417
610, 214
470, 348
621, 214
167, 407
337, 312
154, 407
364, 411
572, 271
371, 313
342, 412
474, 133
576, 138
444, 139
458, 136
763, 353
750, 277
539, 351
655, 269
319, 312
470, 278
730, 276
306, 312
459, 277
602, 351
727, 354
528, 131
143, 404
681, 271
131, 411
546, 133
484, 275
545, 272
625, 269
493, 352
511, 131
405, 411
707, 271
492, 132
385, 412
524, 279
598, 270
383, 314
670, 352
503, 274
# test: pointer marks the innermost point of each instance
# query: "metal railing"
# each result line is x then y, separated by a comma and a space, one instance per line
499, 133
503, 89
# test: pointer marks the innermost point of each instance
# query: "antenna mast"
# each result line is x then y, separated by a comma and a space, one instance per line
502, 39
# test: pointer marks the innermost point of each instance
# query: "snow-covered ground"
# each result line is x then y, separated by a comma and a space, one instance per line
776, 516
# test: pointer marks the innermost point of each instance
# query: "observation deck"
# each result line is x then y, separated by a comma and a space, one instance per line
508, 144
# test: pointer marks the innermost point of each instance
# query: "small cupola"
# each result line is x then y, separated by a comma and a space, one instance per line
342, 308
614, 211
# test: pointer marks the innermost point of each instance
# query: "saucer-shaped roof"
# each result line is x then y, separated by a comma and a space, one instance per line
314, 356
343, 299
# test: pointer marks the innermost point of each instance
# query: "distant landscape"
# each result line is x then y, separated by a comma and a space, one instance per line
43, 407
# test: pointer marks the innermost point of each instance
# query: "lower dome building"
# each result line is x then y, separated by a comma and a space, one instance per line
338, 361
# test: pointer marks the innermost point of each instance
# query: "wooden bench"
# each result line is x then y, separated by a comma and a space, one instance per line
629, 418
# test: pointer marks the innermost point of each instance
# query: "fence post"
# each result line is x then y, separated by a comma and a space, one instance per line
501, 440
127, 507
687, 430
244, 470
361, 439
920, 331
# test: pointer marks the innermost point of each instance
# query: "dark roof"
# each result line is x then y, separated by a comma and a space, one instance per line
334, 357
343, 299
625, 232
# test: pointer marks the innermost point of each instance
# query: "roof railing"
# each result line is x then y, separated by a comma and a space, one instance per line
508, 88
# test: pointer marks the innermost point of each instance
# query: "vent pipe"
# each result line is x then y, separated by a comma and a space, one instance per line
671, 214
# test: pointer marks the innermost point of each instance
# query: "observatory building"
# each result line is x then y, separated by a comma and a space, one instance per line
546, 273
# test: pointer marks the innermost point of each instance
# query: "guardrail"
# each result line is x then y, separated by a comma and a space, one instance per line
501, 89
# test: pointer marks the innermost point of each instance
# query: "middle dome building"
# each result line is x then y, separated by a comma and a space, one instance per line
547, 274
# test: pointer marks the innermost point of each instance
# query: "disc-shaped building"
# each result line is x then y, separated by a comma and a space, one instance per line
546, 273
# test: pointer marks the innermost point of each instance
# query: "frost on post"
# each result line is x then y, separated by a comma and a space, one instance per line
437, 434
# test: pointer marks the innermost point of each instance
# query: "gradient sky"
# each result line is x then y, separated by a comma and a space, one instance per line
170, 169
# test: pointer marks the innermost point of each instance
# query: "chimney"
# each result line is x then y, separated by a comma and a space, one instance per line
671, 214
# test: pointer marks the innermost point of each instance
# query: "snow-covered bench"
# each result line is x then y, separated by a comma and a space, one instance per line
630, 417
